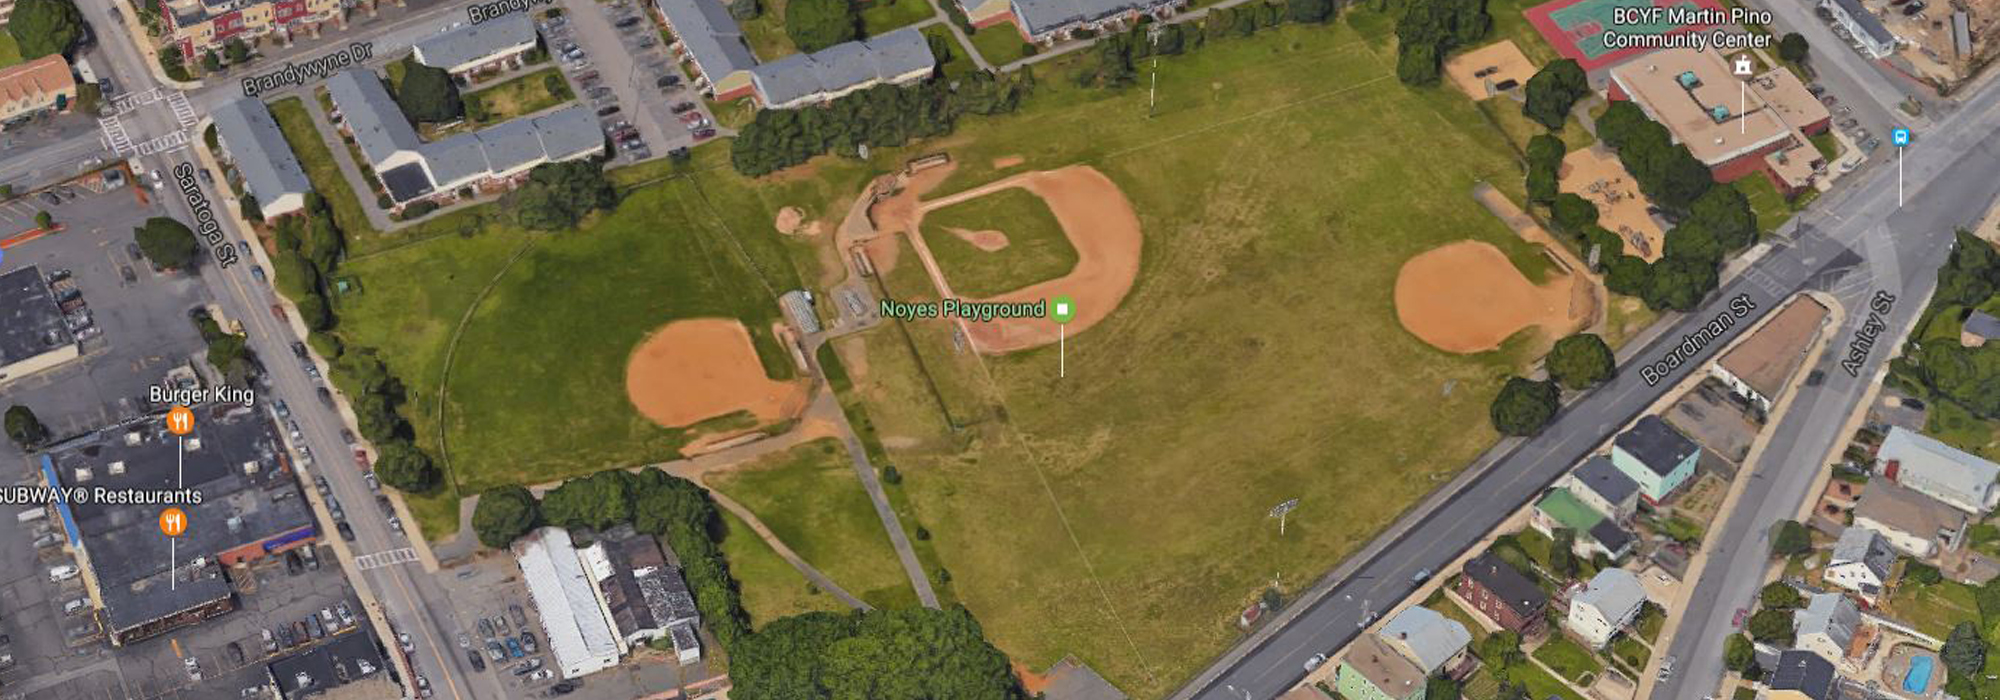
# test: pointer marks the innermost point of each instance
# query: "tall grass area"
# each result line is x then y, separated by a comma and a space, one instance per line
770, 587
10, 51
811, 499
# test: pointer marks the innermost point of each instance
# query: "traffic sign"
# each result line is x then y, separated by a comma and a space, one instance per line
1899, 136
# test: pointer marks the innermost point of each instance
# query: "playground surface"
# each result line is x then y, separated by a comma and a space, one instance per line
1577, 27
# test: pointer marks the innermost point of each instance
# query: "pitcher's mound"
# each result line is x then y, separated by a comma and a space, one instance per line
1467, 297
989, 241
692, 370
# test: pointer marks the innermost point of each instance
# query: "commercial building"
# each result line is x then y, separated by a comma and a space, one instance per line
1758, 368
1427, 638
896, 58
495, 157
497, 44
1608, 603
347, 660
33, 334
580, 633
1860, 562
1655, 456
1763, 125
39, 86
1802, 675
263, 159
1372, 670
250, 508
1827, 626
1913, 523
199, 26
643, 592
1047, 21
710, 40
1948, 474
1503, 594
1866, 31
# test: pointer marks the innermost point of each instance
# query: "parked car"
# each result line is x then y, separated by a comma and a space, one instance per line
346, 615
495, 652
682, 107
520, 616
478, 662
346, 531
668, 81
514, 649
61, 573
627, 22
234, 650
607, 111
313, 628
528, 642
704, 133
403, 641
541, 675
1913, 8
587, 75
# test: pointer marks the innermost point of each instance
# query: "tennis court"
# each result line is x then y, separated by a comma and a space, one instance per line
1576, 27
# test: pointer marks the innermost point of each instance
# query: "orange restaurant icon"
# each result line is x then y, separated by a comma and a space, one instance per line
173, 522
180, 420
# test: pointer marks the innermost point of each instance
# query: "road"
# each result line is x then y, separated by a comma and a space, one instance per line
1853, 243
1957, 169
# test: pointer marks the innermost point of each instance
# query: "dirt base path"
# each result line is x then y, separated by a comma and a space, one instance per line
1467, 297
694, 369
1099, 221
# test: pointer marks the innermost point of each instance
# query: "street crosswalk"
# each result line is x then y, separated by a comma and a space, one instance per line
386, 558
183, 112
114, 134
1764, 282
166, 143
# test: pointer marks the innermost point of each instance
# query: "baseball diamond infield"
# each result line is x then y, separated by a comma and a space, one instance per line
695, 369
1467, 297
1095, 215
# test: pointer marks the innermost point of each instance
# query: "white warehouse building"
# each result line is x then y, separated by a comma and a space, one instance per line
579, 631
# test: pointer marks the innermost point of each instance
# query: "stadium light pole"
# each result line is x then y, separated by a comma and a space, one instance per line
1152, 93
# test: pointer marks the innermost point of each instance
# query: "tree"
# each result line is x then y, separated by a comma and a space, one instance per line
1562, 557
597, 501
235, 50
1572, 214
558, 195
229, 353
817, 24
403, 466
173, 63
745, 10
252, 211
1545, 156
1679, 283
1778, 595
892, 653
1580, 361
168, 243
1441, 688
1502, 650
1964, 651
1772, 626
45, 27
1429, 29
428, 95
24, 428
1792, 47
1553, 90
503, 514
1791, 539
1727, 214
1524, 406
1738, 652
1922, 574
45, 221
210, 62
1309, 11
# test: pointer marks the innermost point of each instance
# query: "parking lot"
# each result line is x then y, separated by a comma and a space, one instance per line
612, 53
488, 588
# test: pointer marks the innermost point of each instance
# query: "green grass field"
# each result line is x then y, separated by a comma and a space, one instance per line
811, 499
10, 51
1118, 514
317, 160
1000, 44
883, 16
1569, 659
525, 94
770, 587
1037, 249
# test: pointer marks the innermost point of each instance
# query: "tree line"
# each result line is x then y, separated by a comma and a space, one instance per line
1116, 56
880, 116
909, 653
1945, 370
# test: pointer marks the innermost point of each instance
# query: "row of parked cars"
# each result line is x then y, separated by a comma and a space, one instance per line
313, 627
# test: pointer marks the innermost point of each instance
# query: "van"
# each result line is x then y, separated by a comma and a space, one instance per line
32, 514
59, 574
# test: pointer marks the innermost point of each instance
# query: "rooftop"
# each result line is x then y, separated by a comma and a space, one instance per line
1939, 466
232, 458
258, 148
1506, 583
1604, 479
1769, 357
477, 43
641, 585
1983, 324
1568, 511
1831, 614
1656, 445
1613, 592
566, 598
1383, 666
1688, 92
709, 35
1866, 21
1429, 635
1897, 507
30, 321
843, 65
1805, 672
344, 659
371, 113
1611, 535
36, 81
1041, 16
1860, 544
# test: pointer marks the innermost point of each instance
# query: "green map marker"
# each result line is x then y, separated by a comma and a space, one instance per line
1062, 309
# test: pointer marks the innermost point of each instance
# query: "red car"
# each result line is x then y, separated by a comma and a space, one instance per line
278, 311
1740, 614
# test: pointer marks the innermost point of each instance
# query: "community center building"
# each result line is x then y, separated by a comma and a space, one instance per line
1736, 125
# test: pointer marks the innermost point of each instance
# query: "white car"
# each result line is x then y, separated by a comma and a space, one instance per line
1315, 662
62, 573
541, 675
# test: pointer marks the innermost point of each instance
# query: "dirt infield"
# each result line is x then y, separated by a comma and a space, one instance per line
988, 241
1094, 214
1467, 297
1500, 62
695, 369
1597, 175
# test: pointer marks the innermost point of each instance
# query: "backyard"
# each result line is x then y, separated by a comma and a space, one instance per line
526, 94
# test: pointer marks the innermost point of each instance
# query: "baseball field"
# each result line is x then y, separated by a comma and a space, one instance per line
1119, 513
998, 243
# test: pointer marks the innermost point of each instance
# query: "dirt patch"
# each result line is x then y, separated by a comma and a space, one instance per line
695, 369
1596, 175
1004, 162
989, 241
788, 220
1467, 297
1095, 215
1480, 73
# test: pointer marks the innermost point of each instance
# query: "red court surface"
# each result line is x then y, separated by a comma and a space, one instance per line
1576, 27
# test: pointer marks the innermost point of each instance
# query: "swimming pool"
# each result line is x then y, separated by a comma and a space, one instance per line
1919, 677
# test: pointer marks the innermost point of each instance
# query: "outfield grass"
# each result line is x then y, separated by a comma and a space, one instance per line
1000, 44
10, 52
526, 94
1037, 249
809, 497
1276, 213
1568, 658
770, 587
954, 64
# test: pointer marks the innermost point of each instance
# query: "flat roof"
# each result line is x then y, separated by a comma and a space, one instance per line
1602, 477
30, 321
1655, 444
477, 43
1898, 507
580, 636
1569, 511
232, 458
1769, 357
1689, 92
1383, 666
347, 658
1962, 474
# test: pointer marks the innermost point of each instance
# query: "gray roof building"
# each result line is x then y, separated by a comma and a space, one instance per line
1603, 478
1426, 636
455, 161
1656, 445
843, 67
709, 35
1614, 538
1613, 591
1805, 672
569, 133
1040, 18
1830, 615
1864, 546
1940, 471
1506, 583
1865, 22
269, 169
30, 321
1983, 324
372, 115
474, 45
512, 144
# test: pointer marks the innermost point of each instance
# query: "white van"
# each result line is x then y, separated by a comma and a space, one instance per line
76, 606
59, 574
